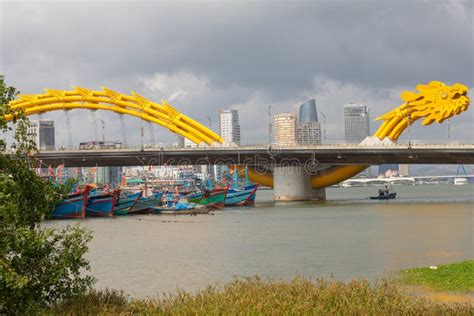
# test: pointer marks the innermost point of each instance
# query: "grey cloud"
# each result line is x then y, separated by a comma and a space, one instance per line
250, 54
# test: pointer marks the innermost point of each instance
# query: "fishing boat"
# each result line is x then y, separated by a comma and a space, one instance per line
145, 205
389, 196
213, 199
244, 197
124, 204
101, 205
74, 206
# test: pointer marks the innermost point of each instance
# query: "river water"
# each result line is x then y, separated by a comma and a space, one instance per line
346, 237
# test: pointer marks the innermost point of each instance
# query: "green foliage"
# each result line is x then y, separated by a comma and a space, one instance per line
457, 277
44, 266
37, 266
255, 296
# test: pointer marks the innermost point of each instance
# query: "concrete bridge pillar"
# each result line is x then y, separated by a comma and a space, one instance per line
291, 183
319, 194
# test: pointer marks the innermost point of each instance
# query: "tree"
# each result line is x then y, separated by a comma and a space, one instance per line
38, 266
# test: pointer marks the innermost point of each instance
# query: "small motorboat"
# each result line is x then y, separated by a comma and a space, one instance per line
183, 208
389, 196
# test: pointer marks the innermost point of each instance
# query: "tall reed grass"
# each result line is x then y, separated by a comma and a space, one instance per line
256, 296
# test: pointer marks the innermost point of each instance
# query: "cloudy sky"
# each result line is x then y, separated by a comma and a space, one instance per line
240, 54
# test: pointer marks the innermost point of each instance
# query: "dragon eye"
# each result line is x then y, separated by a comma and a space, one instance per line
444, 95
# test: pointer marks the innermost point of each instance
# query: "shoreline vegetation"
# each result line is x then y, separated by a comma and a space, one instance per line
453, 277
300, 296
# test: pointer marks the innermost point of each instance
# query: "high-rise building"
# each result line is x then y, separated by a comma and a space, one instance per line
309, 129
44, 133
308, 112
309, 133
230, 127
356, 123
285, 129
403, 170
109, 175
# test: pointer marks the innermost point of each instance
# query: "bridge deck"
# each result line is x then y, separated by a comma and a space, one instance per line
325, 155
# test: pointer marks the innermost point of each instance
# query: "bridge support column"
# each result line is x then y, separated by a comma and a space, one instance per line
319, 194
291, 183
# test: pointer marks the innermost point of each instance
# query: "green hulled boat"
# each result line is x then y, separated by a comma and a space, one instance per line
213, 199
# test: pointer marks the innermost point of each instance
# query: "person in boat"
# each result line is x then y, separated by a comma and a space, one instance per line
163, 199
387, 190
176, 196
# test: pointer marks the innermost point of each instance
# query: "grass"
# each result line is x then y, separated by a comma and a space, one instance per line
455, 277
255, 296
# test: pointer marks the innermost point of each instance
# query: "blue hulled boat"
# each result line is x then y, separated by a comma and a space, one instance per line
244, 197
101, 205
74, 206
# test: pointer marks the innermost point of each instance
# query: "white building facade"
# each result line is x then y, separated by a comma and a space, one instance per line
43, 131
356, 123
285, 129
230, 127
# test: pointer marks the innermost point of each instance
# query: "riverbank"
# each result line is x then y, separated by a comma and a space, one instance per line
259, 296
454, 277
444, 283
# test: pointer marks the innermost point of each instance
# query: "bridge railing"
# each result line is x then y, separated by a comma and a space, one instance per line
327, 144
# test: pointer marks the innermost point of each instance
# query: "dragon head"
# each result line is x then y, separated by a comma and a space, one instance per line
434, 102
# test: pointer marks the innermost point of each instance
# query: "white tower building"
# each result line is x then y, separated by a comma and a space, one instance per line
356, 123
230, 127
285, 129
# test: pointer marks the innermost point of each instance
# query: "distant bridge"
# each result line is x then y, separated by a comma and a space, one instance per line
399, 180
318, 156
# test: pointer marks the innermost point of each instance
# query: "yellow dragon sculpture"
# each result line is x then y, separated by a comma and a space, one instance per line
435, 101
110, 100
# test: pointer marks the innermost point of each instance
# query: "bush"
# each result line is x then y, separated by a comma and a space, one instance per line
38, 267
